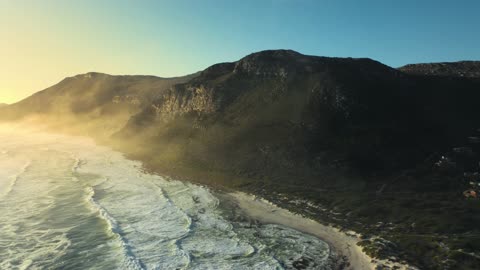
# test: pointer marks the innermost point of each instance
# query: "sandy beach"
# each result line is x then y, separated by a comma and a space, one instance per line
342, 243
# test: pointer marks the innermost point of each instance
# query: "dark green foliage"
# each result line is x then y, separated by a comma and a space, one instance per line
353, 136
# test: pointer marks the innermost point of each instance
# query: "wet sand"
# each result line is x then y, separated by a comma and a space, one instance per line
344, 244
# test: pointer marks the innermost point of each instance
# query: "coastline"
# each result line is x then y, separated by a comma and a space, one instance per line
343, 244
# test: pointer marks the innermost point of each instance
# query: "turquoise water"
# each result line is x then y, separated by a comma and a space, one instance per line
66, 203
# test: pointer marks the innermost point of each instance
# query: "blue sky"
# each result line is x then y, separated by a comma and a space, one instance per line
53, 39
394, 32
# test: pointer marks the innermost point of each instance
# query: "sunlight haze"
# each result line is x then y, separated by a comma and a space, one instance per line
239, 134
174, 38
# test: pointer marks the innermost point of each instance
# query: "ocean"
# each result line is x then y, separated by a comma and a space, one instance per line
67, 203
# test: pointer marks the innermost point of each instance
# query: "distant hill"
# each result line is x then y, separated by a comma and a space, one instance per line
374, 144
95, 99
3, 105
467, 69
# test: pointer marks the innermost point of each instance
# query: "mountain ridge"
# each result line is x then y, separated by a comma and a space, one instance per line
353, 135
467, 69
93, 97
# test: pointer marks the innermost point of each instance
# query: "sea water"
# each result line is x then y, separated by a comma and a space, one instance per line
67, 203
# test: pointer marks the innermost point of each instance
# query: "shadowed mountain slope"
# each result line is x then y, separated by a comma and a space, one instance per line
302, 108
467, 69
370, 143
352, 135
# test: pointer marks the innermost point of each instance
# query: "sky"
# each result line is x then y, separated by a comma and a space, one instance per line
44, 41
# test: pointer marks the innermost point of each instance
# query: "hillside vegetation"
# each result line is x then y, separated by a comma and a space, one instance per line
354, 142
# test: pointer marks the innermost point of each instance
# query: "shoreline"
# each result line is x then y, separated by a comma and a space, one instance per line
342, 243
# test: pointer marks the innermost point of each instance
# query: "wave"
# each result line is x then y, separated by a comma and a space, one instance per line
15, 178
172, 204
141, 220
178, 241
213, 244
131, 261
76, 164
36, 254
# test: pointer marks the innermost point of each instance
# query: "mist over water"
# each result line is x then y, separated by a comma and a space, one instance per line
66, 203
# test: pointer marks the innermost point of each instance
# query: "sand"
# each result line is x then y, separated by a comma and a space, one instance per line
343, 243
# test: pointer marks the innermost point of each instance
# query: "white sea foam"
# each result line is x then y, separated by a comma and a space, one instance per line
130, 260
9, 175
115, 216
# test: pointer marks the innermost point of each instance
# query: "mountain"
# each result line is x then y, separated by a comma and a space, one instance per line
99, 100
302, 108
302, 100
468, 69
352, 142
3, 105
352, 135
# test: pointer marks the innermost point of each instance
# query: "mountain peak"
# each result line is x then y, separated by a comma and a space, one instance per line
90, 75
277, 63
281, 53
287, 63
273, 56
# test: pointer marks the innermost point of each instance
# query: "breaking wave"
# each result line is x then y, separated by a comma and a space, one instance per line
130, 260
14, 179
75, 205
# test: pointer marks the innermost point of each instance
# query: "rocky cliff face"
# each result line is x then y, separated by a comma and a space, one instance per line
366, 113
330, 81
